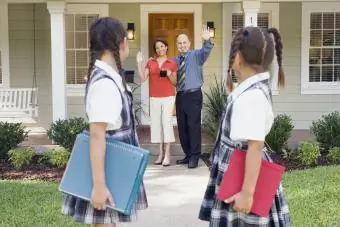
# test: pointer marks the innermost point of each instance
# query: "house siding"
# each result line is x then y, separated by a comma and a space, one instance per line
213, 66
303, 109
21, 49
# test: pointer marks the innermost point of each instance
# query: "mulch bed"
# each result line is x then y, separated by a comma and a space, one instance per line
48, 173
289, 164
32, 172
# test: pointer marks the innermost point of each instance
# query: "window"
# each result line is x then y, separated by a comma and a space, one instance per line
78, 20
238, 23
320, 51
77, 46
324, 50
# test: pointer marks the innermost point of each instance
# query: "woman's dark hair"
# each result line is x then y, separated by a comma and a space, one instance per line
106, 34
256, 48
159, 40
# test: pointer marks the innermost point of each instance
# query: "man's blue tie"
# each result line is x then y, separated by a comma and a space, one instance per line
181, 73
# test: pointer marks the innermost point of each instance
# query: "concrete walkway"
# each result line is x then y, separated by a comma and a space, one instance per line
175, 194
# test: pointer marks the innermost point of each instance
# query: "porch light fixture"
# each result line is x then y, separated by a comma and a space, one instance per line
210, 25
130, 31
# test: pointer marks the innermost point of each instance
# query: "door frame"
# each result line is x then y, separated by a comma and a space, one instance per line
145, 10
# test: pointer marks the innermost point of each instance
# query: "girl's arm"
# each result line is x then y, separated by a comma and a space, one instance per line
250, 122
244, 199
100, 115
100, 193
252, 166
97, 153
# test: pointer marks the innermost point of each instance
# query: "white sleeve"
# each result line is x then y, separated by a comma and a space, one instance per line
249, 120
104, 102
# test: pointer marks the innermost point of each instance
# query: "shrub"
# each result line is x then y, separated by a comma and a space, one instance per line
216, 98
137, 104
290, 154
11, 134
21, 156
280, 133
308, 153
327, 131
58, 157
334, 154
44, 158
64, 132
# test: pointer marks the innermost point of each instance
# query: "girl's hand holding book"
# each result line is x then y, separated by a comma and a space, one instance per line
242, 201
101, 196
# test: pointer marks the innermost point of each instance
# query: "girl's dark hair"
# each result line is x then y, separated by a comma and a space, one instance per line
106, 34
257, 50
159, 40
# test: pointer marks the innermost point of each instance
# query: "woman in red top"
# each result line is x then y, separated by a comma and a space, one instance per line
162, 72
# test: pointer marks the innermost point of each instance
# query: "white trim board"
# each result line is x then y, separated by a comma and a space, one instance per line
145, 10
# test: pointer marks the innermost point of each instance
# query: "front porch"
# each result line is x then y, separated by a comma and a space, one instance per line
46, 43
44, 53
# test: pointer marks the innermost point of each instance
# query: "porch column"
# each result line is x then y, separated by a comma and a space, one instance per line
58, 59
4, 44
251, 9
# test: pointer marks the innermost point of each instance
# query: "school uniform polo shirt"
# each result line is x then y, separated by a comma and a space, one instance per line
252, 114
104, 102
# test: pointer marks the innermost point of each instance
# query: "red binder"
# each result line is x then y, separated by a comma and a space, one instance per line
267, 183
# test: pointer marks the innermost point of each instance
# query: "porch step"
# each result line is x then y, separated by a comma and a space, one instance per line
20, 119
39, 140
36, 140
175, 149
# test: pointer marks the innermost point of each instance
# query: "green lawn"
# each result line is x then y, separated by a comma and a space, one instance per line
313, 196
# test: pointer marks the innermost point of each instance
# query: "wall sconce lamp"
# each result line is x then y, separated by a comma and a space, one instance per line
130, 31
210, 25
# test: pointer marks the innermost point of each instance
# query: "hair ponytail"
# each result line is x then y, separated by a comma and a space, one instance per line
278, 50
116, 56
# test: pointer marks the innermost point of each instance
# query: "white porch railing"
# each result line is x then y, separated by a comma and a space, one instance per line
18, 102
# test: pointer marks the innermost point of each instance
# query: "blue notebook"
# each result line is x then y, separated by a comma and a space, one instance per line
125, 165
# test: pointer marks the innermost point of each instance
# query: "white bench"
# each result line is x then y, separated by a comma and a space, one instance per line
18, 102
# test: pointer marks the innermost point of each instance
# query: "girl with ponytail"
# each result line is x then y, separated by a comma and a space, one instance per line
109, 109
246, 120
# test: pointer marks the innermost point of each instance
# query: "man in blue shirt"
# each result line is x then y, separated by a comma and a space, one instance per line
189, 96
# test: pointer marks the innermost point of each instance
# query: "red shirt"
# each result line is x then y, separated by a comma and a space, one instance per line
161, 86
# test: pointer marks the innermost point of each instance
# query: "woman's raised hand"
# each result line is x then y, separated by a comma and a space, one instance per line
139, 58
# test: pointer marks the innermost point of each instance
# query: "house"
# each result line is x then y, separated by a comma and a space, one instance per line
44, 53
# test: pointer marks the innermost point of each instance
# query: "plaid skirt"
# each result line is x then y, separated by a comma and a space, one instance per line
83, 211
221, 214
